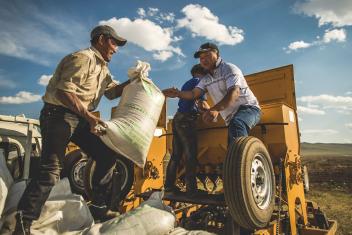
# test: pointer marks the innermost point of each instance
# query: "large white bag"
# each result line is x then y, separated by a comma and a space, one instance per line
152, 217
131, 128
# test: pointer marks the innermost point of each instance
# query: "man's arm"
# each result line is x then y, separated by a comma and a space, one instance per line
203, 105
116, 91
196, 93
230, 98
120, 87
71, 101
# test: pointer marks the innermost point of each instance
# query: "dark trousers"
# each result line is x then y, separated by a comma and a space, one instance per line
59, 126
184, 142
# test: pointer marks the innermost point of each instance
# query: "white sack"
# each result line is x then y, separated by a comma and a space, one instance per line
152, 217
131, 128
6, 181
63, 212
155, 200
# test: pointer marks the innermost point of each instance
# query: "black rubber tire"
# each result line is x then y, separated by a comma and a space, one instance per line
125, 167
239, 196
72, 161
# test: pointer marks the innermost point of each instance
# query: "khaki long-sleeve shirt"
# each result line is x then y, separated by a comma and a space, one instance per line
84, 73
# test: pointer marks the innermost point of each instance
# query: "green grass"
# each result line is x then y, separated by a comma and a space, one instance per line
335, 200
330, 175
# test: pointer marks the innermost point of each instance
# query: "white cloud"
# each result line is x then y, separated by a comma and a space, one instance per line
167, 16
22, 97
334, 35
349, 125
338, 35
308, 110
156, 15
44, 79
31, 34
298, 45
342, 104
141, 12
155, 38
337, 13
328, 100
162, 55
152, 11
320, 131
348, 93
333, 13
203, 23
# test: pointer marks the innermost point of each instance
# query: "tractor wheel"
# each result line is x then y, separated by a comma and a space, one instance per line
249, 183
124, 166
74, 165
305, 179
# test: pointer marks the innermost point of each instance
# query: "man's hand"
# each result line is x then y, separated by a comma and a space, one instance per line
97, 126
171, 92
210, 115
202, 105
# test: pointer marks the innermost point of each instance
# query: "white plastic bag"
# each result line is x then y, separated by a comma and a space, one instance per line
152, 217
131, 128
62, 213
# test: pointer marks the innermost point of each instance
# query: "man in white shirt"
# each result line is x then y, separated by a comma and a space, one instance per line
227, 87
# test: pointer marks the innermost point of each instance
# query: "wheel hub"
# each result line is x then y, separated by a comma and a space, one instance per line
261, 181
78, 171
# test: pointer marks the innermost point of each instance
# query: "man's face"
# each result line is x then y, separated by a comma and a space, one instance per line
208, 60
108, 48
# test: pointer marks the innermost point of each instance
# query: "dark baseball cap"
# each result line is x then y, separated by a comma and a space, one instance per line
109, 31
205, 47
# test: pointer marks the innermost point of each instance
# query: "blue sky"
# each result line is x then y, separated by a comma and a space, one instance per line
313, 35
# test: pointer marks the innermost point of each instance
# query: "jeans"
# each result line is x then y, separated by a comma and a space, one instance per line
184, 142
244, 119
59, 126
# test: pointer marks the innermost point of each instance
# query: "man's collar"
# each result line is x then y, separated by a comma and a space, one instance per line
218, 62
97, 54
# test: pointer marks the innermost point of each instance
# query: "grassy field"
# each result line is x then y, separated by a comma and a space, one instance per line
330, 175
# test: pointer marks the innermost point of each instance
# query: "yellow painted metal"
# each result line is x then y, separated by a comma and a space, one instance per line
274, 86
316, 231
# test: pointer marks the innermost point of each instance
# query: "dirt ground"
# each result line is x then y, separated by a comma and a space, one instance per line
331, 188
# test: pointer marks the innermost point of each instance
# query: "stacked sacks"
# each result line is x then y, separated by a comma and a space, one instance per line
131, 128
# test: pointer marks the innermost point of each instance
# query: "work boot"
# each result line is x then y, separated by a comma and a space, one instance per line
23, 226
102, 213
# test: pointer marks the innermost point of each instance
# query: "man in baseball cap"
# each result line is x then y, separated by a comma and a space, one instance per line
108, 31
73, 93
206, 47
228, 89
